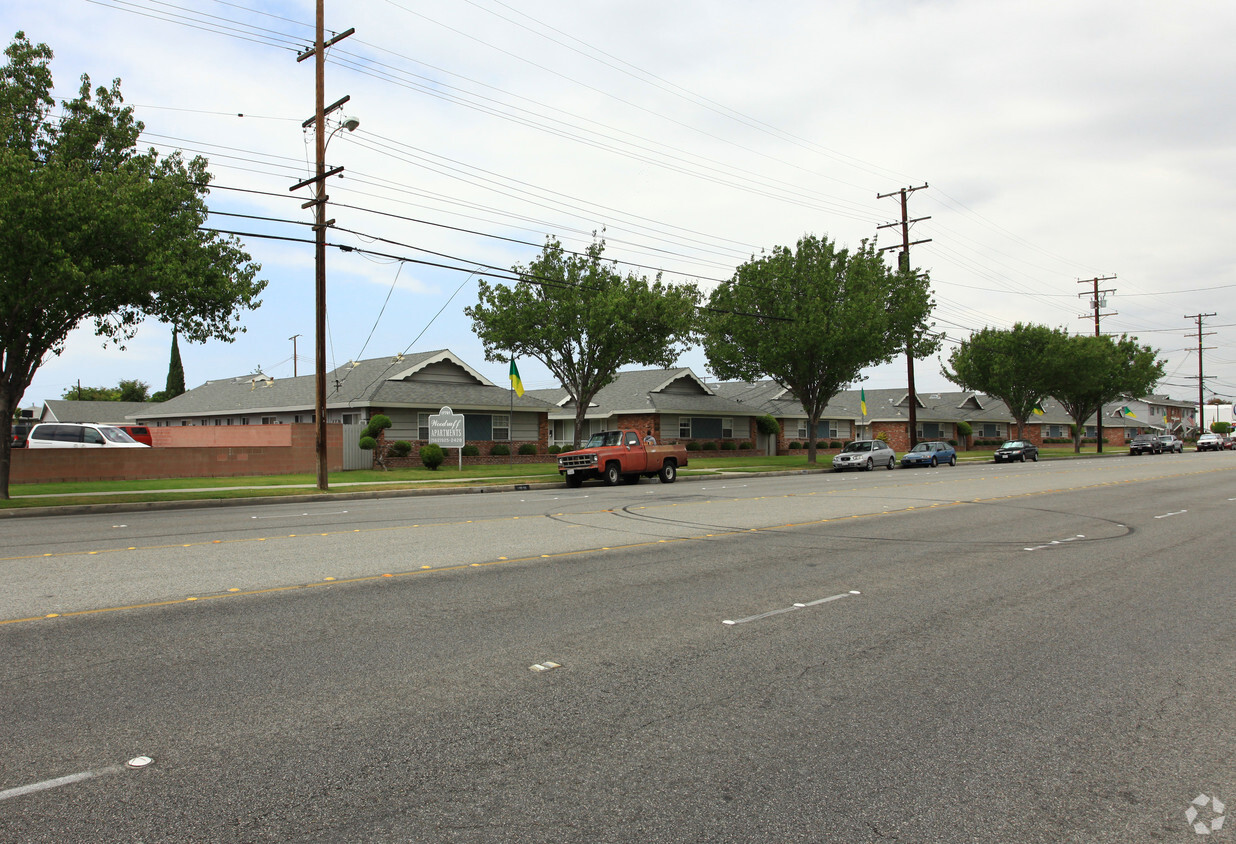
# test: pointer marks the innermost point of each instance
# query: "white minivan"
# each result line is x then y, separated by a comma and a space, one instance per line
79, 435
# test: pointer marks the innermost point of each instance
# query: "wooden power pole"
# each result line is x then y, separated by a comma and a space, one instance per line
320, 223
1201, 375
1097, 302
903, 264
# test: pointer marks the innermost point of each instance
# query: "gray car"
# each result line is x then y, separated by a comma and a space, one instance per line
865, 454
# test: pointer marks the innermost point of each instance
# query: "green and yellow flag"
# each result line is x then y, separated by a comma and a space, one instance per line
516, 384
862, 401
1124, 411
1038, 410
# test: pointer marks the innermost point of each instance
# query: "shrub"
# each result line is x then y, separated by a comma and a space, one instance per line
795, 446
728, 445
402, 448
471, 451
882, 436
1220, 427
500, 450
527, 448
693, 446
432, 455
768, 425
964, 429
555, 449
834, 444
378, 423
953, 443
368, 443
744, 446
709, 446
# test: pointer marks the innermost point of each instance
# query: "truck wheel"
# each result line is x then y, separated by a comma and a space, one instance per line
630, 479
574, 481
612, 475
668, 473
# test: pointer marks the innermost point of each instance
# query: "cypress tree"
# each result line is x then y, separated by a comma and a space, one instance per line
175, 372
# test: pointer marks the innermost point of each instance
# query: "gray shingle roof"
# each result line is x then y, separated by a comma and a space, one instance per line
116, 412
669, 391
365, 383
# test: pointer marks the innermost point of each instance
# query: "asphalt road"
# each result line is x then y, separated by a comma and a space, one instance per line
1038, 652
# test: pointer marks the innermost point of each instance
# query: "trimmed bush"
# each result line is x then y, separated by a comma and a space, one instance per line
378, 423
882, 436
555, 449
795, 446
834, 444
471, 451
693, 446
500, 450
767, 425
964, 429
953, 443
527, 448
728, 445
745, 446
401, 448
368, 443
432, 455
709, 446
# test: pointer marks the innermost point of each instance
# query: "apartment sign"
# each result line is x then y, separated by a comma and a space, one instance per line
446, 428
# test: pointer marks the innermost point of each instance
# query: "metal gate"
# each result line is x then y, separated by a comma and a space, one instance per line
355, 457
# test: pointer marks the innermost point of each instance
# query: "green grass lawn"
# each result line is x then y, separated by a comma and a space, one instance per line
250, 486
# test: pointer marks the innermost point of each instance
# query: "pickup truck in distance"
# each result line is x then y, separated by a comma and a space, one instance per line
622, 456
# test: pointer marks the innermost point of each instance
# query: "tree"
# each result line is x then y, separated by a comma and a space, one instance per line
583, 319
96, 230
175, 371
1089, 372
133, 390
1011, 364
812, 319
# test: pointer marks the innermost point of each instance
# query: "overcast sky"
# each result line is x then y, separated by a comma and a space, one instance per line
1059, 141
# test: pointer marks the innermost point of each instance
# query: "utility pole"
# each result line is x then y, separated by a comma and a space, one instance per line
1201, 383
903, 263
318, 52
1097, 302
293, 339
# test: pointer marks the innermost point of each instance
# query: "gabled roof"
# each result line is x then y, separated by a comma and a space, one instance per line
421, 380
671, 391
114, 412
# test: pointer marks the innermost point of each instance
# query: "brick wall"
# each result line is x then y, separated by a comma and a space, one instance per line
299, 455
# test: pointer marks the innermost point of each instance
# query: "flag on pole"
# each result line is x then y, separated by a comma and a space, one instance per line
516, 384
862, 400
1124, 411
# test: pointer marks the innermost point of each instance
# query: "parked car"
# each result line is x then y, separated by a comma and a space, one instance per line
1017, 450
138, 432
21, 430
1210, 442
1171, 443
1229, 442
1146, 444
930, 454
79, 435
865, 454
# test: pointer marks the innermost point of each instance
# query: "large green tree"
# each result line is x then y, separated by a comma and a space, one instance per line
812, 318
1092, 371
129, 389
1014, 365
94, 230
585, 320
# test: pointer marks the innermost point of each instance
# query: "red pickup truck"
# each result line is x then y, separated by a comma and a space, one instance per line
622, 456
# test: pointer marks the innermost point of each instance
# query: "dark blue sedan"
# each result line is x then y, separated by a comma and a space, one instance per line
930, 454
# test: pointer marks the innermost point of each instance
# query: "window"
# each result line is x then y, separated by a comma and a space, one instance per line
351, 419
801, 433
244, 420
269, 420
501, 426
727, 429
632, 438
422, 427
991, 430
931, 431
684, 427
